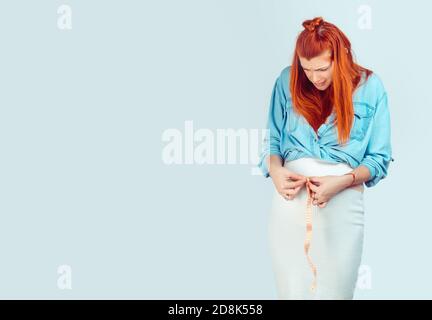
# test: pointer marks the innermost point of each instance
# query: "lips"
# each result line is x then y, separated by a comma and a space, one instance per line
320, 84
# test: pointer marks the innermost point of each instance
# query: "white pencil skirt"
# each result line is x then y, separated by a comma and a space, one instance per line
336, 238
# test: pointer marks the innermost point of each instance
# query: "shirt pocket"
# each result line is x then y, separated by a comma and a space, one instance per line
362, 119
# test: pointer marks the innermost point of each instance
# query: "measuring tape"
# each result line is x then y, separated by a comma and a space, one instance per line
309, 235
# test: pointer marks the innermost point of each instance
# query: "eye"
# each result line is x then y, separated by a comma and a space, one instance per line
320, 70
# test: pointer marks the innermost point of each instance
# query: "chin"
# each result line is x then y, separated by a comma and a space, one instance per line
322, 88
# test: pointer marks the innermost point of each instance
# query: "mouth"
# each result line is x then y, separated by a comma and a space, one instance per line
320, 84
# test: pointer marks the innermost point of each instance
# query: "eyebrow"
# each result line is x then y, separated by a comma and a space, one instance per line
318, 68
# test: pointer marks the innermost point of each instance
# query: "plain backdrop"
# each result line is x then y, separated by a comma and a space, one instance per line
83, 182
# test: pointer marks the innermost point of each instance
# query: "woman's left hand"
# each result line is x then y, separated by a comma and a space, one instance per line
324, 188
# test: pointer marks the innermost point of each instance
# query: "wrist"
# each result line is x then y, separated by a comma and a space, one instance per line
275, 163
347, 179
274, 170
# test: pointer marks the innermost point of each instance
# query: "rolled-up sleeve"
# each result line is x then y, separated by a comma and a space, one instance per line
272, 137
378, 151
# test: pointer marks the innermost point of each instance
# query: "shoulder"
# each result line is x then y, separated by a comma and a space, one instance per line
371, 90
285, 74
376, 85
283, 81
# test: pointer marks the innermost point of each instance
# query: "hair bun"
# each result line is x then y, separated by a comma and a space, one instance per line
311, 25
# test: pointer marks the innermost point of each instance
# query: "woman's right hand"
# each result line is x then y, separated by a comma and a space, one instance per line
287, 183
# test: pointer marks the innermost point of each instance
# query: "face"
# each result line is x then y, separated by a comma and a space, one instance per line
319, 70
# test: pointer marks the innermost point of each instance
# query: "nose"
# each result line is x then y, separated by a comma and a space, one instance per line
315, 78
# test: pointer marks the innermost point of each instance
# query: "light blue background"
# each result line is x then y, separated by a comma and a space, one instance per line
82, 112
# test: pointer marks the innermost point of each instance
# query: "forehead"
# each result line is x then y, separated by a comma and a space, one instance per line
317, 62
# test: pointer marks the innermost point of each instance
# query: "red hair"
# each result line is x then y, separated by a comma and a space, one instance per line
315, 105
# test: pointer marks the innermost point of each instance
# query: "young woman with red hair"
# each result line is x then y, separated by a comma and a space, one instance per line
328, 134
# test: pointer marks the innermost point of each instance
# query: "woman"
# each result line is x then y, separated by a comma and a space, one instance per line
328, 133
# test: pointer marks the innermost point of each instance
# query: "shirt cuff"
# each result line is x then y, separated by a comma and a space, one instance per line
263, 163
372, 180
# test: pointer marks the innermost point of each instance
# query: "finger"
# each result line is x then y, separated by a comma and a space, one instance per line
288, 197
283, 195
292, 191
296, 184
315, 183
296, 190
322, 205
313, 187
288, 192
294, 176
315, 179
287, 186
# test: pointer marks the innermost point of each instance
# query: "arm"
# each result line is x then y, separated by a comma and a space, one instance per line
274, 162
375, 163
271, 156
362, 174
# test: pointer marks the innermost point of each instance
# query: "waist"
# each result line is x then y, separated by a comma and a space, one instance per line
318, 167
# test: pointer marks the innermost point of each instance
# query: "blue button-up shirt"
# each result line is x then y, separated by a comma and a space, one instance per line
290, 136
